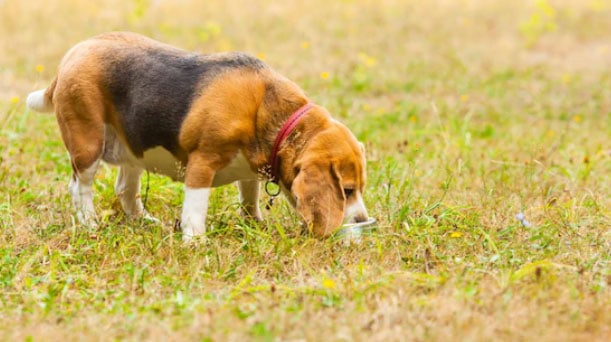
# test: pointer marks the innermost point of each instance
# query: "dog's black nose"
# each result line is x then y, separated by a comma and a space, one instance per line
360, 218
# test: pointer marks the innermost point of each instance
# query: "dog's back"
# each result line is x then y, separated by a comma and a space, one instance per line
151, 85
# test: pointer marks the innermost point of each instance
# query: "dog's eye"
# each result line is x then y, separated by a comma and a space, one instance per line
348, 192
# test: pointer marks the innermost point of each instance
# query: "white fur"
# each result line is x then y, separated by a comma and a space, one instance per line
194, 210
80, 189
127, 189
356, 209
37, 101
249, 198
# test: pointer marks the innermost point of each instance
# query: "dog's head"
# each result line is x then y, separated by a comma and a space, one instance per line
329, 180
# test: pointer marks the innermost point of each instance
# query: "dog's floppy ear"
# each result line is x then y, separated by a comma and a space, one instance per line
362, 147
319, 198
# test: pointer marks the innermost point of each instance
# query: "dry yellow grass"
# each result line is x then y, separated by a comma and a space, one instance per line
472, 111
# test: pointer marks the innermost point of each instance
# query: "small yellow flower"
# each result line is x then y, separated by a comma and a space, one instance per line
367, 60
261, 56
464, 98
551, 133
366, 107
224, 45
412, 118
305, 45
455, 235
597, 5
545, 8
15, 99
324, 75
328, 283
40, 68
566, 78
214, 28
577, 118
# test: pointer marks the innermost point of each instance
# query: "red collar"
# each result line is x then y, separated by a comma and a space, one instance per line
287, 128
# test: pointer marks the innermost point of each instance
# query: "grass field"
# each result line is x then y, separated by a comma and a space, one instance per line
488, 130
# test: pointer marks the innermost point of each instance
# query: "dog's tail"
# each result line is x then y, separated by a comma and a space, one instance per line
42, 100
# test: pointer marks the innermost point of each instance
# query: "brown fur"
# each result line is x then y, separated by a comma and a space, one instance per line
240, 111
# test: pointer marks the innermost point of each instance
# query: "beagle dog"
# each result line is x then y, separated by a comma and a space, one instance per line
205, 119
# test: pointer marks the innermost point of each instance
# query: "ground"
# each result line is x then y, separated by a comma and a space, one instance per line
487, 126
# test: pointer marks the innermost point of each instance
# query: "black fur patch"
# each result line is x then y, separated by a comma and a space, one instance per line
152, 90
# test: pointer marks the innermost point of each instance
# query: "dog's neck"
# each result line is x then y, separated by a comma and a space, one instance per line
280, 100
286, 130
298, 142
294, 144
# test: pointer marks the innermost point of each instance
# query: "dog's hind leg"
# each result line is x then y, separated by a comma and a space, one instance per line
81, 191
127, 189
82, 130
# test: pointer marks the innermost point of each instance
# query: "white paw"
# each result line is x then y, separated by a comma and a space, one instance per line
194, 239
187, 238
147, 217
87, 219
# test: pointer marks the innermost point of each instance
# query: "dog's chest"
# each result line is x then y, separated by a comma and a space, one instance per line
161, 161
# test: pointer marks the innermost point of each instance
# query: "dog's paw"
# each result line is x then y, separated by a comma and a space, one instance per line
147, 217
250, 217
87, 220
143, 216
188, 239
191, 235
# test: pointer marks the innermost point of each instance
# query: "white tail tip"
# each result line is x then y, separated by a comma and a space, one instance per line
38, 101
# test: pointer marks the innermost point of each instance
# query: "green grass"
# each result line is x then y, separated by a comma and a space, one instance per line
472, 113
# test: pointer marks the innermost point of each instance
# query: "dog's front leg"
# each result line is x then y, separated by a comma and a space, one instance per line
198, 181
194, 209
249, 199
